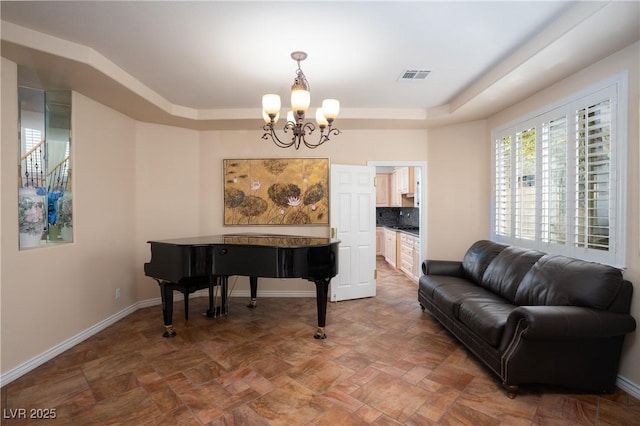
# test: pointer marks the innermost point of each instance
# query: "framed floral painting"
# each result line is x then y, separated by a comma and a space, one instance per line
276, 191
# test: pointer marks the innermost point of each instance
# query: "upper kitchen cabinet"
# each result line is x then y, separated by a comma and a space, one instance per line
395, 197
396, 189
382, 189
406, 180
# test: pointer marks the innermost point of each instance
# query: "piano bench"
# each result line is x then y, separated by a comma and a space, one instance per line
186, 287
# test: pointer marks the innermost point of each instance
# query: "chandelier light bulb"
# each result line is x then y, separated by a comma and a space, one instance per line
271, 104
290, 117
267, 119
331, 108
321, 120
300, 100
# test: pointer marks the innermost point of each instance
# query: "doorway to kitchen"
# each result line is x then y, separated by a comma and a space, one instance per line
400, 214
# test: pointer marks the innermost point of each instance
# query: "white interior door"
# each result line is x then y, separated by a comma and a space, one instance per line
353, 215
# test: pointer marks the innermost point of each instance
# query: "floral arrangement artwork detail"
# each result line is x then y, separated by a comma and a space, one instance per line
290, 191
31, 214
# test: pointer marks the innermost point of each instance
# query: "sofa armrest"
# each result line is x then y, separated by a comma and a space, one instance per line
567, 322
442, 267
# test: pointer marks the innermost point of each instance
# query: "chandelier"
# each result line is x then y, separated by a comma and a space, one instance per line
300, 100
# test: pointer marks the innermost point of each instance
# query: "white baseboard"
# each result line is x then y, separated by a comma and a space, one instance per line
33, 363
49, 354
628, 386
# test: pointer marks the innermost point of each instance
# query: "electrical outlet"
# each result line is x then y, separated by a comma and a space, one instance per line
117, 293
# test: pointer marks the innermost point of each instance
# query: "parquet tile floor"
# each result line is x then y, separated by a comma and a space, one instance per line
385, 362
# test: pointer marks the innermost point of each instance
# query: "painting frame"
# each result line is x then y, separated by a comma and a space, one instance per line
276, 191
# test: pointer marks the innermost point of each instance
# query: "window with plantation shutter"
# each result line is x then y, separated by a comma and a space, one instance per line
525, 189
559, 176
502, 223
553, 191
594, 194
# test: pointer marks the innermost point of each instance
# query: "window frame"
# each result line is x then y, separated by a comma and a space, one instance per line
615, 89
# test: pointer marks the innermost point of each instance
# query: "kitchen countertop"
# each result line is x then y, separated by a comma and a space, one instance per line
411, 230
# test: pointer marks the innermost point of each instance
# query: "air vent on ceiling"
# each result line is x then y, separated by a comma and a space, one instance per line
414, 74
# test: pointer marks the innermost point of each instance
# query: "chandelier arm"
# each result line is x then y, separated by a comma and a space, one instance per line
324, 137
333, 131
270, 133
310, 127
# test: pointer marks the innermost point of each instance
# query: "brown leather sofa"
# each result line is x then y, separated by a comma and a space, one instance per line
531, 317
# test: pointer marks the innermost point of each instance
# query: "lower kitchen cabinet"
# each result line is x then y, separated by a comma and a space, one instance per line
407, 254
390, 247
400, 249
379, 241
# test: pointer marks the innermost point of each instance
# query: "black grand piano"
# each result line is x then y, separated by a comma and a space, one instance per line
190, 264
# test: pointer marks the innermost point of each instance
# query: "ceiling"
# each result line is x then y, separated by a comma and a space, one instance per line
206, 64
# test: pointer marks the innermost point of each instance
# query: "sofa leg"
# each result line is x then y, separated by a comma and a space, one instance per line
512, 390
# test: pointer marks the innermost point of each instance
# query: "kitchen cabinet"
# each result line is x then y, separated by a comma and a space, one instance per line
382, 189
406, 180
395, 197
401, 250
390, 248
398, 185
379, 241
417, 262
407, 254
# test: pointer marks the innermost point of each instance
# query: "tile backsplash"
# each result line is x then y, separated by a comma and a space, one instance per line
404, 216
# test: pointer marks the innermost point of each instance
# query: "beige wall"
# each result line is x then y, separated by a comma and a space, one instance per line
626, 59
8, 181
458, 189
167, 192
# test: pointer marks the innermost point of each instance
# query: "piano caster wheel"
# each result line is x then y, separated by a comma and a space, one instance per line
252, 304
319, 334
169, 331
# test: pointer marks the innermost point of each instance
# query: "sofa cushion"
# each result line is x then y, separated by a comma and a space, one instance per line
504, 274
560, 280
428, 283
486, 318
449, 297
478, 257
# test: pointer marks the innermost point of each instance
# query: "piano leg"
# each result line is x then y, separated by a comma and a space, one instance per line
253, 285
211, 312
322, 290
186, 303
224, 288
166, 293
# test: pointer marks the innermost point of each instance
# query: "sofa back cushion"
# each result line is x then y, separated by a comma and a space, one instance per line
560, 280
478, 257
504, 274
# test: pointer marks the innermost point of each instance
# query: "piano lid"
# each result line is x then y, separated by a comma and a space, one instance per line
252, 239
